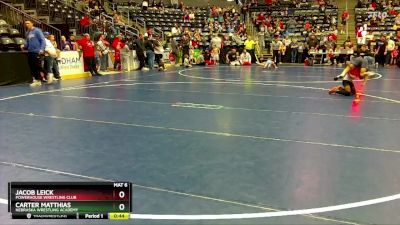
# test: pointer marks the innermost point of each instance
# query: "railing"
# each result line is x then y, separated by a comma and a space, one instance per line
127, 30
347, 22
16, 19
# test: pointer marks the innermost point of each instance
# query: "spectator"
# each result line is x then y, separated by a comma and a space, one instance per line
232, 58
185, 43
300, 52
72, 41
65, 45
85, 24
345, 17
381, 51
149, 45
215, 55
390, 47
158, 49
103, 49
276, 47
117, 44
145, 5
186, 61
294, 46
88, 50
200, 60
35, 44
175, 31
140, 52
395, 54
175, 3
50, 56
312, 41
348, 43
245, 58
216, 42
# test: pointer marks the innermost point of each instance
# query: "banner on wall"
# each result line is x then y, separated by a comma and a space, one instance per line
70, 63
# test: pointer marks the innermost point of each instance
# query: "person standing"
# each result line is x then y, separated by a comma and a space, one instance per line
185, 42
149, 45
117, 44
390, 47
35, 45
300, 51
103, 49
249, 46
50, 59
159, 51
381, 51
294, 46
72, 42
88, 50
140, 52
345, 17
276, 47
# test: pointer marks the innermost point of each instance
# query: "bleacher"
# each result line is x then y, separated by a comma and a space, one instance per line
363, 16
165, 21
306, 12
10, 38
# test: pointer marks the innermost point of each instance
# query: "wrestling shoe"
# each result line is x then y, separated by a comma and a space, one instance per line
333, 90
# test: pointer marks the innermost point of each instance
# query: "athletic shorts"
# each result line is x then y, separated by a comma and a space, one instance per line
351, 84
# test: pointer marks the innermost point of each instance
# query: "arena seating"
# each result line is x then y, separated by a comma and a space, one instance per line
305, 13
10, 38
168, 19
364, 16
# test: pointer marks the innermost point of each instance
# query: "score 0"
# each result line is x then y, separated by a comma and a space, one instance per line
122, 192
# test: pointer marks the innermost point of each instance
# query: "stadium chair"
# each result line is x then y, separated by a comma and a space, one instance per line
6, 44
4, 32
3, 23
13, 32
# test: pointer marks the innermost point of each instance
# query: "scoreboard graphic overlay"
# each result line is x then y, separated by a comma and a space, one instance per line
70, 200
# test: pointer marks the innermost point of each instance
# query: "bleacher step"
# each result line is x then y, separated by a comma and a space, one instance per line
31, 12
45, 19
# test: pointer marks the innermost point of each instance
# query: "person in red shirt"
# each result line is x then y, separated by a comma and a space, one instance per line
307, 26
374, 5
281, 25
88, 51
85, 23
117, 44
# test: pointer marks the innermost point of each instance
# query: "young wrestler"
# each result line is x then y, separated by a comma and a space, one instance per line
357, 68
270, 64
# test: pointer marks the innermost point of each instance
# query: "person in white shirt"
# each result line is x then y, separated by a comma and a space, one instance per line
50, 62
159, 51
103, 49
270, 64
390, 47
245, 58
216, 42
145, 5
175, 30
175, 3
